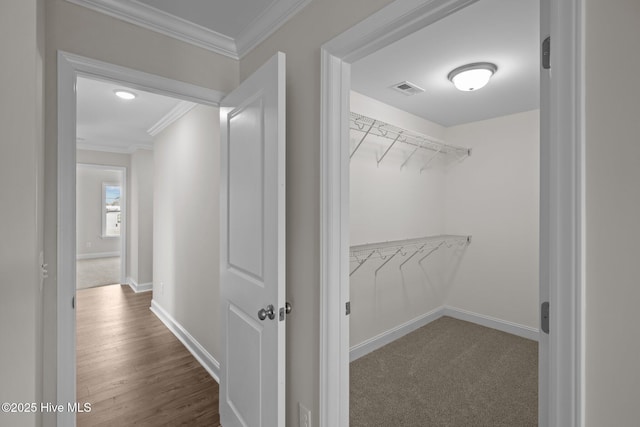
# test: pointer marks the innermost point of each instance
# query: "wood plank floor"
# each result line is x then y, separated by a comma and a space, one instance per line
132, 369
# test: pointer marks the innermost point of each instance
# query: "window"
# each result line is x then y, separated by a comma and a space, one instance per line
111, 216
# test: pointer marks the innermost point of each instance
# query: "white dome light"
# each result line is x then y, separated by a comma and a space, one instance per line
124, 94
472, 76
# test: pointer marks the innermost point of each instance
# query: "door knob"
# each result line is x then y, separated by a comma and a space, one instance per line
267, 312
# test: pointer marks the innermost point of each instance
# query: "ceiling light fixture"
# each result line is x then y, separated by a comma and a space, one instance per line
124, 94
472, 76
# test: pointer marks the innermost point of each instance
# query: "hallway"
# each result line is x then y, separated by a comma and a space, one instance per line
132, 369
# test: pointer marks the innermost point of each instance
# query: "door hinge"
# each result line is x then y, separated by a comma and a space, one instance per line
348, 308
73, 302
546, 53
544, 317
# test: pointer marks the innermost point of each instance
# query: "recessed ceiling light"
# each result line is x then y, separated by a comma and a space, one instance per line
124, 94
472, 76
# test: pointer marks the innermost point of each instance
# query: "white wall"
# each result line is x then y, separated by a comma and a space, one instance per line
81, 31
21, 167
387, 203
103, 158
612, 212
494, 196
186, 222
89, 239
374, 218
140, 230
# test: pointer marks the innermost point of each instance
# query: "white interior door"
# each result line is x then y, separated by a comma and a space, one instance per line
252, 270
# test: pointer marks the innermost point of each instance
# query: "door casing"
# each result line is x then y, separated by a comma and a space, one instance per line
561, 203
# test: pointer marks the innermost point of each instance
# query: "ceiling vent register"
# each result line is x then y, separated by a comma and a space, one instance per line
407, 88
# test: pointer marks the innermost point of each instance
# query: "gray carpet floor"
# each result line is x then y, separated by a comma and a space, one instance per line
97, 272
447, 373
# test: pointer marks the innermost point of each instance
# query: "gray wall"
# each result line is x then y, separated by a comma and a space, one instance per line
21, 172
612, 212
140, 230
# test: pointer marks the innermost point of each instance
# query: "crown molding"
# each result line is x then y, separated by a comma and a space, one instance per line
153, 19
182, 108
134, 12
112, 148
267, 23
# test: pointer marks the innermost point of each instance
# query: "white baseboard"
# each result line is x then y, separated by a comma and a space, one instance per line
137, 288
98, 255
207, 361
492, 322
366, 347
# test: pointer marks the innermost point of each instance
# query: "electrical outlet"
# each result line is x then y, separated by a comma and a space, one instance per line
305, 416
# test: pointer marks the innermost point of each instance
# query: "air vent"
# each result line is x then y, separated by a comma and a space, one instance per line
407, 88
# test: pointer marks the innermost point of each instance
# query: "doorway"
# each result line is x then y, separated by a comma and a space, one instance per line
70, 67
170, 149
101, 214
263, 93
561, 164
444, 214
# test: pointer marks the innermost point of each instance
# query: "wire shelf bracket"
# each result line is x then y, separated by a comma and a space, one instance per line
386, 251
369, 126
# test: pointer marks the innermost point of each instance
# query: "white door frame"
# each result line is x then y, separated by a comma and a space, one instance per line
69, 67
561, 207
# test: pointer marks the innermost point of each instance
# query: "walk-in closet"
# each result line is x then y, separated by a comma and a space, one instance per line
444, 223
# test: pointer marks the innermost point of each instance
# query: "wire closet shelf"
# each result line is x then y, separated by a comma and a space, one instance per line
373, 127
409, 248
